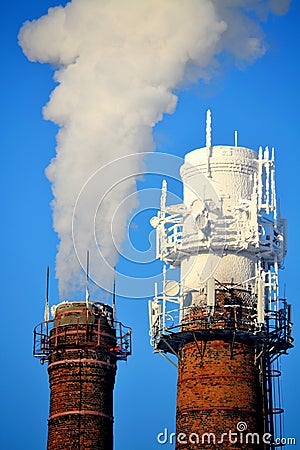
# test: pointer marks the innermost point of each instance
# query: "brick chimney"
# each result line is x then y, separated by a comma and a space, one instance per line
219, 389
222, 316
82, 346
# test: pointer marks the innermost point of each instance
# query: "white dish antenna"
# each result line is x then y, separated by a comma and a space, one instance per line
172, 288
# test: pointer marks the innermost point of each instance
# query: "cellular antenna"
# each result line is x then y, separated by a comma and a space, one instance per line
87, 291
46, 312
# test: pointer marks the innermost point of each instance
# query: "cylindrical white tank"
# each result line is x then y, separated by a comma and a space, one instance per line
219, 183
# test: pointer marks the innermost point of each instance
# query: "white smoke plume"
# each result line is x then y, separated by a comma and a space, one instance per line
117, 64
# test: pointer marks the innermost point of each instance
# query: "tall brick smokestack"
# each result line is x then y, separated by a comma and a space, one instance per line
216, 391
219, 384
82, 345
224, 320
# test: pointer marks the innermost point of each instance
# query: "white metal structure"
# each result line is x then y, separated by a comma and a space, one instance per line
227, 231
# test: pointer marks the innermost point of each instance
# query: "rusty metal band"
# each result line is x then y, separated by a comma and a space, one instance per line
82, 360
82, 413
216, 343
72, 332
67, 312
220, 375
217, 407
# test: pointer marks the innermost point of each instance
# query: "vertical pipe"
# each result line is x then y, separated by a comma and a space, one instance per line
164, 297
259, 178
273, 188
267, 180
236, 138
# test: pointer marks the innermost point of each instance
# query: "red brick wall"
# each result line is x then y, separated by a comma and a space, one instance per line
215, 392
81, 376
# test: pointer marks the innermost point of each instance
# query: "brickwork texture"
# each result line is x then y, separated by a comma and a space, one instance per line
81, 371
218, 390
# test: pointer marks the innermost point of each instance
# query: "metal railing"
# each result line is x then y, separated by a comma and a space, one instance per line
47, 337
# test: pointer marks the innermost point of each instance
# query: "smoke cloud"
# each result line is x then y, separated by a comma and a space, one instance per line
117, 64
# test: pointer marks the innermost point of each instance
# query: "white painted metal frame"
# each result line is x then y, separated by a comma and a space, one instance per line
258, 232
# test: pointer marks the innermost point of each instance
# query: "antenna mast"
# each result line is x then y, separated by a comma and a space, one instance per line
208, 128
114, 297
87, 291
46, 312
235, 138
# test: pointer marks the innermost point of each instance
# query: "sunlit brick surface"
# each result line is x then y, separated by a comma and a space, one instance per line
215, 392
82, 372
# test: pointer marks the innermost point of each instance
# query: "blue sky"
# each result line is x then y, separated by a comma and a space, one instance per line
261, 101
